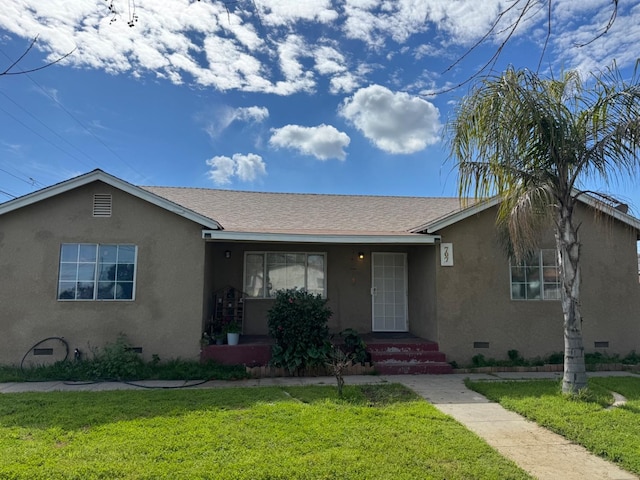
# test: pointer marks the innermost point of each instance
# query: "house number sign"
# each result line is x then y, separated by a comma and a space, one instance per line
446, 254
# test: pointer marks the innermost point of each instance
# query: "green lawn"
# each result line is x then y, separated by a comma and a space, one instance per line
374, 432
613, 434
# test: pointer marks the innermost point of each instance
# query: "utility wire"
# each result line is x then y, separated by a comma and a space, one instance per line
82, 125
42, 137
44, 124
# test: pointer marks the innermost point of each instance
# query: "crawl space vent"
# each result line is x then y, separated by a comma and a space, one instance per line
480, 344
102, 205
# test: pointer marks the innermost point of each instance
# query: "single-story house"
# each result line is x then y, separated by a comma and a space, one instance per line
95, 256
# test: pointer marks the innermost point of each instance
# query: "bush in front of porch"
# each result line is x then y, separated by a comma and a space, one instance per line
298, 322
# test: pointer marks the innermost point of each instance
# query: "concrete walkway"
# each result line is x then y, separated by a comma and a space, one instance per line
540, 452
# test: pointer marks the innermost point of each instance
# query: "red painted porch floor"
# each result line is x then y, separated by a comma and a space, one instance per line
391, 353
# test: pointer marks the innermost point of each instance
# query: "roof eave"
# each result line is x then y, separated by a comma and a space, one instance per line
456, 217
99, 175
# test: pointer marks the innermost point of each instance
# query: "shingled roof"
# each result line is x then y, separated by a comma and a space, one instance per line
310, 213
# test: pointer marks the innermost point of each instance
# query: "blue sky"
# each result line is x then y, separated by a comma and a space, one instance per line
277, 95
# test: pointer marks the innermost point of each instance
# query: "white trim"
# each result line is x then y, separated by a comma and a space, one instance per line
450, 219
609, 210
483, 205
415, 239
99, 175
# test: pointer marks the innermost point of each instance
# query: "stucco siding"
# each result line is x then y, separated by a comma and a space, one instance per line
474, 304
166, 316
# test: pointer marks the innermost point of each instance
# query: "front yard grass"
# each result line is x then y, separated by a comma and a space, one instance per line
612, 433
372, 432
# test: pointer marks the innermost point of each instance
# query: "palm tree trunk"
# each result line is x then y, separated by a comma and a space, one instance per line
575, 376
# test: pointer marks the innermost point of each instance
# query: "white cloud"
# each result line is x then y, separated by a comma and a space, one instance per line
394, 122
323, 142
282, 46
246, 168
215, 123
283, 12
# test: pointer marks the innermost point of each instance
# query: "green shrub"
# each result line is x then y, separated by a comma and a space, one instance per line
298, 324
354, 345
117, 361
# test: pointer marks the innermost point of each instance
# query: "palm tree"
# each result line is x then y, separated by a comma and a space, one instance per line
534, 142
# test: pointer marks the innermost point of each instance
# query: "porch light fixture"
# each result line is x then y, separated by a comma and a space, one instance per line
227, 254
361, 255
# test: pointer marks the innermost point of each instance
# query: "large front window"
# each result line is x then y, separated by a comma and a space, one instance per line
267, 272
537, 278
90, 271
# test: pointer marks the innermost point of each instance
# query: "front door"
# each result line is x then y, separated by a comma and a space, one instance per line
389, 292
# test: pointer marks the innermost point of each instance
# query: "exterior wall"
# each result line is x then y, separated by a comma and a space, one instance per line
166, 316
422, 292
474, 302
348, 282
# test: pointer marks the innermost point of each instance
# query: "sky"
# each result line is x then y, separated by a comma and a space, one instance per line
348, 97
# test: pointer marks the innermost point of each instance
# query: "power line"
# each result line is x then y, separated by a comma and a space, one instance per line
42, 137
82, 125
44, 124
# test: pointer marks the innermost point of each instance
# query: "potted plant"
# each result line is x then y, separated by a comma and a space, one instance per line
233, 332
219, 338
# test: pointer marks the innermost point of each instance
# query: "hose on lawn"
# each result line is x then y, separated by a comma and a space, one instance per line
66, 356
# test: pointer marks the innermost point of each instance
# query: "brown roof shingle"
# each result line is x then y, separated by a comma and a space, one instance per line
309, 213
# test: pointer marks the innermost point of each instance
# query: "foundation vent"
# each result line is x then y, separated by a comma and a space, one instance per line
43, 351
601, 344
480, 344
102, 204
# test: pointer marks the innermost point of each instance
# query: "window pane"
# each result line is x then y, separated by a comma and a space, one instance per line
518, 291
315, 274
551, 292
66, 291
68, 271
85, 291
533, 291
108, 253
125, 272
87, 253
254, 275
126, 253
285, 271
124, 291
86, 272
106, 290
107, 271
518, 274
69, 252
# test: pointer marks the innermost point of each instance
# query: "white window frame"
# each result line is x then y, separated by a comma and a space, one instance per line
265, 286
548, 290
92, 266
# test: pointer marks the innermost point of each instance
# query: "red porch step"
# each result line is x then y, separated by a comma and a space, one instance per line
402, 357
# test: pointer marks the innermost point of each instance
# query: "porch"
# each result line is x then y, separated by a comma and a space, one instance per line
391, 353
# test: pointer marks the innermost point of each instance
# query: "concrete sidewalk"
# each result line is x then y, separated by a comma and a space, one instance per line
540, 452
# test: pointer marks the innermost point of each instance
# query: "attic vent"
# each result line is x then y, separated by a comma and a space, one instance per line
102, 205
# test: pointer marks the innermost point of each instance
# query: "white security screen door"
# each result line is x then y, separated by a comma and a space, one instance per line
389, 292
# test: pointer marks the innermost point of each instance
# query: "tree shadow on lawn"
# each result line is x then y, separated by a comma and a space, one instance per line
77, 410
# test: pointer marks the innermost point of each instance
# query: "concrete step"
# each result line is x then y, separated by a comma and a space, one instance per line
398, 346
